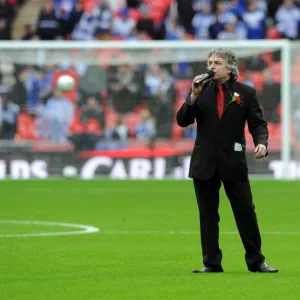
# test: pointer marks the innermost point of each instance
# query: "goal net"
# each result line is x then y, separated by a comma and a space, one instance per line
119, 120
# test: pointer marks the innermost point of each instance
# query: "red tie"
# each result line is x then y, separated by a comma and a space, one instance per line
220, 100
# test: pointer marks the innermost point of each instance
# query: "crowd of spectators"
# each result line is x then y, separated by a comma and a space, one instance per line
163, 19
112, 103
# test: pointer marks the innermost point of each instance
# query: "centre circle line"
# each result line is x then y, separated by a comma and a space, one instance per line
85, 229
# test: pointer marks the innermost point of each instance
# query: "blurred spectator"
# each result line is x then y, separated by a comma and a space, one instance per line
119, 131
87, 139
229, 32
55, 117
182, 70
262, 5
173, 30
48, 25
152, 79
116, 136
215, 28
125, 89
137, 35
145, 23
33, 90
224, 15
69, 17
185, 14
201, 22
145, 128
288, 19
64, 8
44, 83
19, 93
241, 29
123, 24
38, 87
8, 118
92, 110
98, 20
236, 7
270, 97
161, 102
91, 124
199, 5
255, 63
93, 82
255, 21
26, 127
248, 78
6, 17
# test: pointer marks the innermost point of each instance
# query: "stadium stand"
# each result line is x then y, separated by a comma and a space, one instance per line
119, 114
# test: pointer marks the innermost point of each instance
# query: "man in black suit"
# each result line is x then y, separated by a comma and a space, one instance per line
221, 106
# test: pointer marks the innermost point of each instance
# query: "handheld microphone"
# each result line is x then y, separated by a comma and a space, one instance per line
209, 74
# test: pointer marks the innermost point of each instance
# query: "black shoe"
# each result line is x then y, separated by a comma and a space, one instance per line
264, 268
209, 270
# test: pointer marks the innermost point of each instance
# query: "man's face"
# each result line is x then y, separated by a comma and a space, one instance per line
217, 64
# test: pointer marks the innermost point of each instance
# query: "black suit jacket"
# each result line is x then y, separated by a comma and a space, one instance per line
214, 145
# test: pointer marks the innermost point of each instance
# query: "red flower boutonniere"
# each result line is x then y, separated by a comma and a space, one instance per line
236, 98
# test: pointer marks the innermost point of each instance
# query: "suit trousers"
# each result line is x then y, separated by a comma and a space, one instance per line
240, 197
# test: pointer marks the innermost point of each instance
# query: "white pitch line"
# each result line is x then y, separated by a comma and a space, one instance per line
86, 229
171, 232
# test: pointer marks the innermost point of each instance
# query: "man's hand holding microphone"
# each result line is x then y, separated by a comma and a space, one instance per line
197, 85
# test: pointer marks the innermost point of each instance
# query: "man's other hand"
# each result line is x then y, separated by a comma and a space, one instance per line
260, 151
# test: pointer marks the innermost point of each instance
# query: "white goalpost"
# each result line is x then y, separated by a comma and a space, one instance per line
163, 52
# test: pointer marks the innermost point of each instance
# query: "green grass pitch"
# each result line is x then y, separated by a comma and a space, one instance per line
147, 245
